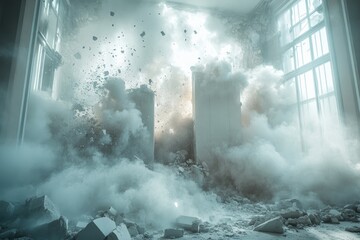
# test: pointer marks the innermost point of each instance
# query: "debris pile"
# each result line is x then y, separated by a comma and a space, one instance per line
38, 218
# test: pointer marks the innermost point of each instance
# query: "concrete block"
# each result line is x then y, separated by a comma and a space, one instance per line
274, 225
55, 230
188, 223
120, 233
133, 230
40, 210
98, 229
173, 233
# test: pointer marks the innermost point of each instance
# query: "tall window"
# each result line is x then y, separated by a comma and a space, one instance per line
307, 64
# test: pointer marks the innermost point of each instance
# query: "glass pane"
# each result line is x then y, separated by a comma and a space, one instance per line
324, 79
284, 25
288, 61
306, 86
313, 4
309, 114
316, 18
302, 53
301, 28
298, 11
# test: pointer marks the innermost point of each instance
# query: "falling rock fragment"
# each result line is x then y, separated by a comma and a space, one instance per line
173, 233
189, 223
120, 233
98, 229
77, 55
274, 225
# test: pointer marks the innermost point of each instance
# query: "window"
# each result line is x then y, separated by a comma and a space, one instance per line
307, 63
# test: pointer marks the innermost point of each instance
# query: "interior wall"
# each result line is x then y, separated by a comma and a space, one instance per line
342, 60
9, 21
353, 9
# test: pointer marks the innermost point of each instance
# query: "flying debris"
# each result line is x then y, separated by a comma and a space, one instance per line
142, 34
77, 55
112, 13
163, 33
95, 38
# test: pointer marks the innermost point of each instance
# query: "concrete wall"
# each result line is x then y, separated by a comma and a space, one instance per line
342, 53
216, 113
144, 100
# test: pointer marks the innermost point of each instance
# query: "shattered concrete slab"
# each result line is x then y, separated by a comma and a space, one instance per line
173, 233
98, 229
274, 225
120, 233
189, 223
42, 209
55, 230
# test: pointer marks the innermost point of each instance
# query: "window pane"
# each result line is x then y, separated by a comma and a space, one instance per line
284, 27
320, 43
288, 61
298, 11
316, 18
309, 114
313, 4
324, 79
302, 53
301, 28
306, 86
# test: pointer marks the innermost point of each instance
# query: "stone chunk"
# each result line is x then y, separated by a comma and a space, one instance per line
42, 209
98, 229
55, 230
315, 219
188, 223
289, 203
291, 214
119, 233
6, 210
350, 206
335, 213
349, 215
353, 229
304, 221
133, 230
173, 233
274, 225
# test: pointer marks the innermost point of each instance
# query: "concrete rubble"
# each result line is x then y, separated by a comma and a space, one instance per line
172, 233
188, 223
119, 233
98, 229
274, 225
284, 217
